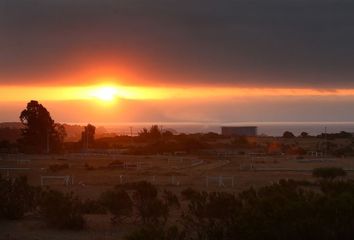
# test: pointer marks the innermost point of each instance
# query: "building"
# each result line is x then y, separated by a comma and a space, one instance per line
239, 131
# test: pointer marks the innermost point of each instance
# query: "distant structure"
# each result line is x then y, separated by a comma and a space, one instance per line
239, 131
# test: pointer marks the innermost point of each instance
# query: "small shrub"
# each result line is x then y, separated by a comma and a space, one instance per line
149, 207
118, 203
170, 199
63, 211
328, 173
153, 211
16, 198
189, 194
146, 190
208, 214
288, 134
304, 135
90, 206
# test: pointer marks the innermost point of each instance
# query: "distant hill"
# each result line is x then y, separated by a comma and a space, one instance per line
10, 131
13, 125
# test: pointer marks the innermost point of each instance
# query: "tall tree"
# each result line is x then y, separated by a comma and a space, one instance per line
40, 133
155, 132
88, 136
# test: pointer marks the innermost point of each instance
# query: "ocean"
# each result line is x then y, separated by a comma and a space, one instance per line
264, 128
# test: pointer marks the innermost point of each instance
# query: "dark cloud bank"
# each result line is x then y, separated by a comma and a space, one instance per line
295, 43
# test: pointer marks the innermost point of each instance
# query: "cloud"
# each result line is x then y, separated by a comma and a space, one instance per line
258, 109
281, 43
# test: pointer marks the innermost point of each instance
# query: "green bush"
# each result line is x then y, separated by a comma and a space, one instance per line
328, 173
285, 210
16, 198
61, 210
170, 199
90, 206
189, 194
288, 134
288, 209
149, 207
118, 203
208, 215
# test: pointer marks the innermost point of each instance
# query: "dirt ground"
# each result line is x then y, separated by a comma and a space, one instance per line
93, 173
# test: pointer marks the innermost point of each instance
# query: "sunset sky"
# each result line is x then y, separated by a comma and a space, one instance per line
178, 61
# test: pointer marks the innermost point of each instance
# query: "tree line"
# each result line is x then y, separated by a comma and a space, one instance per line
41, 134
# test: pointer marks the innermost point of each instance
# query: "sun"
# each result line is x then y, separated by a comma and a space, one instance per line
105, 93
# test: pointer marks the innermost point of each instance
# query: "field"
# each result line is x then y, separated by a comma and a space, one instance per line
89, 174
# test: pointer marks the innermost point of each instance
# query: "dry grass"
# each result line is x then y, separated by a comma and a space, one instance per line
90, 183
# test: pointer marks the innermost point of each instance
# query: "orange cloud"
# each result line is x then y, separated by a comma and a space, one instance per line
99, 92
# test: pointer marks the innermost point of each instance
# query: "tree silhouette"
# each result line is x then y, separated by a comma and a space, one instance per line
288, 134
88, 136
154, 133
40, 134
304, 134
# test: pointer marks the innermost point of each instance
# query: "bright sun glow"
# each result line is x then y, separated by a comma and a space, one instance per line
105, 93
109, 93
